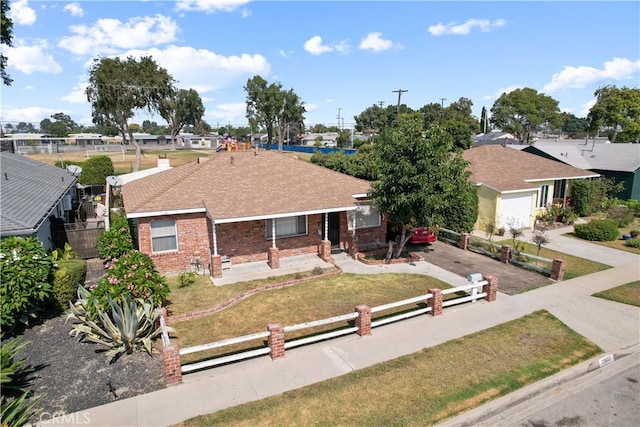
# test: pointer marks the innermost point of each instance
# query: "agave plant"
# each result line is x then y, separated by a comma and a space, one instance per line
130, 325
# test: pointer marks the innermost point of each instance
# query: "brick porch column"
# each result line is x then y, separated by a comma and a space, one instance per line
275, 341
216, 266
505, 254
274, 258
325, 250
435, 302
171, 361
363, 321
491, 288
463, 243
557, 269
353, 246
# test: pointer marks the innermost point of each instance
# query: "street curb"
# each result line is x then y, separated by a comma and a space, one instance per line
490, 413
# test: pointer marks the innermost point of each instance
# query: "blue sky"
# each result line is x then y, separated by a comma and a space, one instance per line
339, 57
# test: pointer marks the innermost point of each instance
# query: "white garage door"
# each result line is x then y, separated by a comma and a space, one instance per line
516, 210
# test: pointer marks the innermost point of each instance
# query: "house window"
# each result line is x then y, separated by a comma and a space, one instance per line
543, 198
365, 216
287, 227
164, 236
559, 188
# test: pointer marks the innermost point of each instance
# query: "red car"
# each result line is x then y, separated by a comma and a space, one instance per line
423, 235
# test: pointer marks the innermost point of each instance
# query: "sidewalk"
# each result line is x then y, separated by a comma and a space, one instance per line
612, 326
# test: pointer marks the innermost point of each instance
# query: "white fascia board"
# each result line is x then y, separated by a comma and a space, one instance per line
596, 175
163, 213
281, 215
522, 190
360, 196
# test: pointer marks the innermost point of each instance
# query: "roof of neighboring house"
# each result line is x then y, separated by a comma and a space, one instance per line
508, 170
234, 186
29, 190
494, 137
593, 156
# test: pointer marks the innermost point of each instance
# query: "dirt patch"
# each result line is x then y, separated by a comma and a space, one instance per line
511, 279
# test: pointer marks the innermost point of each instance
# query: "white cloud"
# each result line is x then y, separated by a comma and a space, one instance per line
583, 76
233, 112
454, 28
74, 9
311, 107
77, 94
21, 14
28, 114
211, 6
315, 47
499, 92
584, 112
107, 36
31, 59
203, 70
375, 42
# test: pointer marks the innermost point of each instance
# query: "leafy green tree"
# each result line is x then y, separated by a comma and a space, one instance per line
61, 126
118, 87
418, 181
6, 36
183, 107
485, 126
96, 170
45, 125
573, 125
24, 127
374, 117
523, 111
433, 114
618, 108
271, 107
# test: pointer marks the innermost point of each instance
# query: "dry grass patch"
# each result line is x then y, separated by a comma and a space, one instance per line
629, 293
315, 299
426, 387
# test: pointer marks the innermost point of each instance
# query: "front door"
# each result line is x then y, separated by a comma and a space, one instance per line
334, 229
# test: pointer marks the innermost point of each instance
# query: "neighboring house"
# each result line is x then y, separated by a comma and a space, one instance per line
328, 139
620, 162
249, 206
514, 186
84, 139
494, 138
33, 195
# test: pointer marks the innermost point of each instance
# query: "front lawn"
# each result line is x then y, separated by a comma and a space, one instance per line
425, 387
314, 299
629, 293
619, 243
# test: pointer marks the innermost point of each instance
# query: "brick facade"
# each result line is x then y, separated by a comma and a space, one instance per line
241, 241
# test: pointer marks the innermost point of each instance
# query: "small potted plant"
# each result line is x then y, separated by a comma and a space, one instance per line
634, 233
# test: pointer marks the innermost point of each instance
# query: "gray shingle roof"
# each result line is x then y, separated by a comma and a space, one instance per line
29, 190
598, 156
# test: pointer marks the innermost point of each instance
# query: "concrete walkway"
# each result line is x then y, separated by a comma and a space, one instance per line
612, 326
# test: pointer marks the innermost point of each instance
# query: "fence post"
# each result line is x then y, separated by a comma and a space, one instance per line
505, 254
275, 341
325, 250
363, 321
463, 243
171, 360
491, 288
435, 302
557, 269
216, 266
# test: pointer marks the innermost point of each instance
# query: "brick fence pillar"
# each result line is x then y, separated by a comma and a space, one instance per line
557, 269
274, 258
363, 321
171, 360
435, 302
353, 246
216, 266
491, 288
275, 341
463, 243
325, 250
505, 254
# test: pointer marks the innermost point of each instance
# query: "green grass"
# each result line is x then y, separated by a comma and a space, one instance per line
425, 387
629, 293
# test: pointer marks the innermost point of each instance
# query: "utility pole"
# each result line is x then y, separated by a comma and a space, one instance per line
400, 92
339, 108
380, 103
442, 108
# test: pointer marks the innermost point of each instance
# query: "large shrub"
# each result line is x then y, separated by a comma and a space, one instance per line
587, 196
132, 274
599, 230
25, 272
117, 240
66, 278
96, 170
